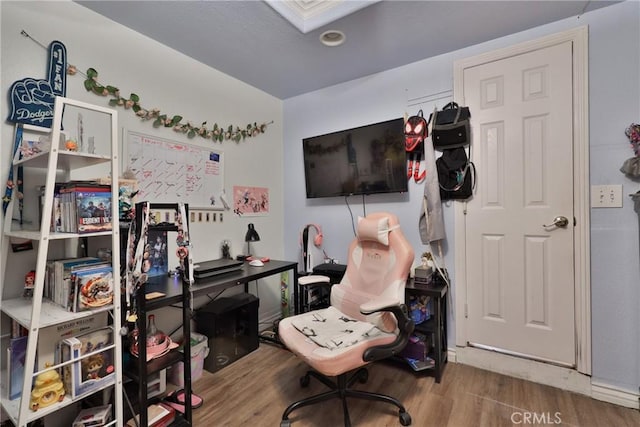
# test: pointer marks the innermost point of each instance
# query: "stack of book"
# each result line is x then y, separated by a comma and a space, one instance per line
81, 207
79, 284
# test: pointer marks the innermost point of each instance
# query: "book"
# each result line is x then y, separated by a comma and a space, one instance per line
62, 276
92, 287
419, 365
17, 354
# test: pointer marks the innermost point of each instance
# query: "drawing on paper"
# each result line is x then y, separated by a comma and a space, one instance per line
250, 201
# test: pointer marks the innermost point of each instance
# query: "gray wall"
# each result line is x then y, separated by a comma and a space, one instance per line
614, 70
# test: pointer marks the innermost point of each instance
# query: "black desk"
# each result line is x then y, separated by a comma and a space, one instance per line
177, 292
172, 287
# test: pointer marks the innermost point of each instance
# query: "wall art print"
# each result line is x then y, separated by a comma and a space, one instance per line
250, 201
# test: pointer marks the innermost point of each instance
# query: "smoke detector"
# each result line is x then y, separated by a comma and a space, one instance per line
332, 38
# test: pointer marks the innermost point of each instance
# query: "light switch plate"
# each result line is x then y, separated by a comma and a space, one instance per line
606, 196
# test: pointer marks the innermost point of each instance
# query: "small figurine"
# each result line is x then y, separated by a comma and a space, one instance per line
125, 203
92, 365
71, 145
29, 284
48, 390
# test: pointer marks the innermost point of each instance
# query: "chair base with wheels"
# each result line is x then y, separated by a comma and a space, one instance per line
340, 390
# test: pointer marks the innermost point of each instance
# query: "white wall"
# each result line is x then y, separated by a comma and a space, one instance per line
168, 80
614, 61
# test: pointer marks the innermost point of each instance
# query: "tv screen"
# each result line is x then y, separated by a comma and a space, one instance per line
365, 160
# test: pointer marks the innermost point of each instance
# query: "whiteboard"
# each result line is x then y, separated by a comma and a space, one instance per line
170, 171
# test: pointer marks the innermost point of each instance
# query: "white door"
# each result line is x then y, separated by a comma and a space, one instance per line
520, 278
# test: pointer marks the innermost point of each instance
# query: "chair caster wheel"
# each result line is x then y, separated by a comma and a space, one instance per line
405, 418
285, 423
304, 381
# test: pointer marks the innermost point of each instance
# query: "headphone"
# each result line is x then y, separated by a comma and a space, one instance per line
304, 236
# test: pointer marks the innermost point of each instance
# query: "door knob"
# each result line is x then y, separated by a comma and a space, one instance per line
559, 221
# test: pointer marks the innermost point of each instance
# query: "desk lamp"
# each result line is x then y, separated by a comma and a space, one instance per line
251, 236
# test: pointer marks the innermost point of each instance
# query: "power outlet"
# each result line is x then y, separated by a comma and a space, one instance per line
606, 196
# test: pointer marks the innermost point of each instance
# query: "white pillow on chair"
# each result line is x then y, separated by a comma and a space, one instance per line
376, 230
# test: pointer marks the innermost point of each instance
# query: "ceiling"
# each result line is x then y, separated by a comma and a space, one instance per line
253, 42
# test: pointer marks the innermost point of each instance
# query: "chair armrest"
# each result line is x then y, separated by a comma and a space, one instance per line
376, 305
405, 327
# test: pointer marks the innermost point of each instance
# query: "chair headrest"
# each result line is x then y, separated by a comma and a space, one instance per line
374, 229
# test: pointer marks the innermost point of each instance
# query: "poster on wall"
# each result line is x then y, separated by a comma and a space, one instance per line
250, 201
170, 171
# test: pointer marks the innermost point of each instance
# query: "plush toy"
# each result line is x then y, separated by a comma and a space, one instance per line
415, 131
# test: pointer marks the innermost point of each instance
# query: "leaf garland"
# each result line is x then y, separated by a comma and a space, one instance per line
217, 133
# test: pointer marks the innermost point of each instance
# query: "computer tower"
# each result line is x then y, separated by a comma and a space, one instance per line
231, 326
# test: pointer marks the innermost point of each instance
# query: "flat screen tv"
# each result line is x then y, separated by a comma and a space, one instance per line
364, 160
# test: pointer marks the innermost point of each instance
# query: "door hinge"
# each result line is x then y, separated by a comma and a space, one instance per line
466, 310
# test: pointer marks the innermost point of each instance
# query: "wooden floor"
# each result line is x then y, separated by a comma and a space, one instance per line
255, 390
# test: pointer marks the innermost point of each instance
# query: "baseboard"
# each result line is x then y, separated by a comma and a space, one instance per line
543, 373
268, 319
530, 370
615, 395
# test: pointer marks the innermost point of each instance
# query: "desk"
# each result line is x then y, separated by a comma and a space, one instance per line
177, 292
172, 288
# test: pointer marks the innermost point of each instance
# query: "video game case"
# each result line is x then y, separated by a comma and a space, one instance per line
91, 287
93, 209
62, 277
85, 208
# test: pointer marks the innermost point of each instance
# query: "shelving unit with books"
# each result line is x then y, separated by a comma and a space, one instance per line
434, 328
51, 323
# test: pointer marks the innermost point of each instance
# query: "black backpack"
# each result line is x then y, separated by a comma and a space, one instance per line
456, 174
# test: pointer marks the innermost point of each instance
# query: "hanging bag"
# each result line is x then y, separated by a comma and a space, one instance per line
451, 127
456, 175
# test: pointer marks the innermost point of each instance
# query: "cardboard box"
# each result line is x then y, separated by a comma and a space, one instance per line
92, 369
51, 337
93, 417
159, 415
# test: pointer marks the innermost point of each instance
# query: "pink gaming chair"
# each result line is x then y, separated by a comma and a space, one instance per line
367, 319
